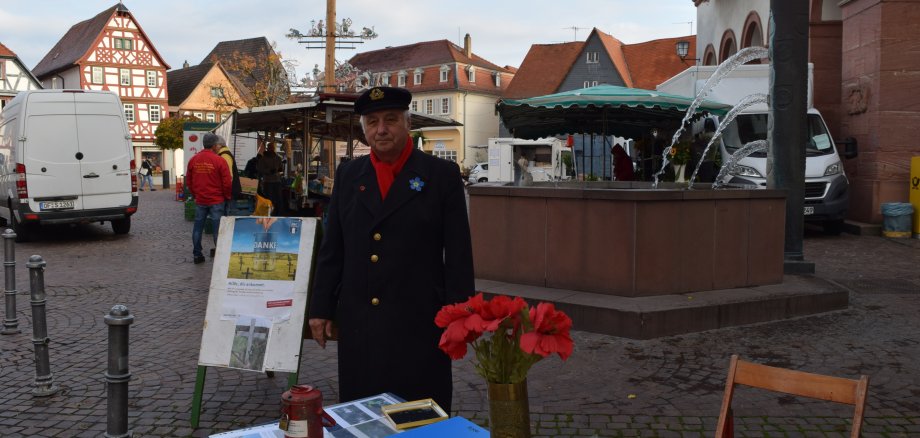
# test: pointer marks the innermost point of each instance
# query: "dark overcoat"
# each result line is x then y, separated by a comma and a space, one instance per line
384, 270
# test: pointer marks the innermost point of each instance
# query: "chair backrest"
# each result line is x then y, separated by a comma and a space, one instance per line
817, 386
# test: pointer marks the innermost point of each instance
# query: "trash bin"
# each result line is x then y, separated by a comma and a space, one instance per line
165, 179
896, 219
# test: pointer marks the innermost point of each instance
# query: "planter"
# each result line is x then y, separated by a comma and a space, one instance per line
509, 410
679, 172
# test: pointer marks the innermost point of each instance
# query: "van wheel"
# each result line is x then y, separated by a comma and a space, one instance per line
833, 228
23, 232
483, 179
121, 226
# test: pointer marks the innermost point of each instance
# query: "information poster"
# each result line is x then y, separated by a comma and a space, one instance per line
258, 296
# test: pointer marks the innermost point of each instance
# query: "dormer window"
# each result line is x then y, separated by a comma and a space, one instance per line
385, 79
417, 77
444, 70
401, 79
498, 79
592, 58
471, 74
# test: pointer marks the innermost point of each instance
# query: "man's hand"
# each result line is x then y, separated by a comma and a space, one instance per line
321, 330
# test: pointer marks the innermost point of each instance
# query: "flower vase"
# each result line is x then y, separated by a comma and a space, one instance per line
509, 410
679, 172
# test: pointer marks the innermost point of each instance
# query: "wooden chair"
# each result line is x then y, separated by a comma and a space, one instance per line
817, 386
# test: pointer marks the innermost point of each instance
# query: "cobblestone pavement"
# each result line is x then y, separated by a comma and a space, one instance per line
609, 387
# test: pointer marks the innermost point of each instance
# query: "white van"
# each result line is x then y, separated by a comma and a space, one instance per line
65, 157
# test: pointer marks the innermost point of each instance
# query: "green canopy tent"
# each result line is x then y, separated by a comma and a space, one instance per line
603, 110
598, 113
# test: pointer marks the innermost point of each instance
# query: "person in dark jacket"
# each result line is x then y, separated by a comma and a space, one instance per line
269, 167
395, 250
622, 164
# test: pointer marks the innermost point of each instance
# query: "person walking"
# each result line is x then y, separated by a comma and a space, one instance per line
209, 181
269, 167
146, 175
396, 248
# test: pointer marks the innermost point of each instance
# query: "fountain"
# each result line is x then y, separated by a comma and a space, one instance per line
645, 259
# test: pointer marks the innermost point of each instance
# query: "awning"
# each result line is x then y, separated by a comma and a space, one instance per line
603, 110
325, 118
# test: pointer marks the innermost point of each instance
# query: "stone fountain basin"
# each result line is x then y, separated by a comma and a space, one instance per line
627, 239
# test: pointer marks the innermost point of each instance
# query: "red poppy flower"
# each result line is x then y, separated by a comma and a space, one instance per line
463, 325
550, 332
500, 308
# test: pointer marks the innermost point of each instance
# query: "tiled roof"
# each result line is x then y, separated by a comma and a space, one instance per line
5, 51
75, 43
228, 54
615, 51
653, 62
642, 65
429, 56
543, 69
181, 82
79, 40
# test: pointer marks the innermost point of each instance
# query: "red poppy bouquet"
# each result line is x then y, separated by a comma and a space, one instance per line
519, 336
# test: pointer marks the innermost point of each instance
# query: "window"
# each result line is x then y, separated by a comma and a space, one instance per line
151, 78
417, 77
498, 79
444, 70
445, 105
55, 83
210, 118
401, 81
123, 43
98, 77
592, 58
3, 70
385, 79
590, 84
125, 76
445, 154
217, 92
471, 74
429, 106
129, 112
414, 106
223, 117
154, 113
198, 116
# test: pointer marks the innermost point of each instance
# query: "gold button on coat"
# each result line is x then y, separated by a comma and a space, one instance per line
374, 258
375, 301
377, 236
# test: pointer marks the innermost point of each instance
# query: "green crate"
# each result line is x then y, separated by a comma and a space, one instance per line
189, 210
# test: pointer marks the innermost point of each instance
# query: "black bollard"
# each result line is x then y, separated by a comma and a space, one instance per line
44, 380
117, 376
10, 322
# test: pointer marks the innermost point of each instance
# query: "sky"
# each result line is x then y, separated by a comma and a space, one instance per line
502, 31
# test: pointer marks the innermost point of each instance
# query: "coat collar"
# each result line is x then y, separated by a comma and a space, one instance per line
400, 192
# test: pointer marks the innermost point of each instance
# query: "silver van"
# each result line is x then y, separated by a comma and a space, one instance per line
65, 157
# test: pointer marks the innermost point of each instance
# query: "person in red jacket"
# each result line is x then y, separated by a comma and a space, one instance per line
209, 181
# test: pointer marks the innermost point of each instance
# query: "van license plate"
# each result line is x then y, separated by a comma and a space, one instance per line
809, 209
55, 205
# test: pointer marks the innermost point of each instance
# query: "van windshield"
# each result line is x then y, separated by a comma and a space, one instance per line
750, 127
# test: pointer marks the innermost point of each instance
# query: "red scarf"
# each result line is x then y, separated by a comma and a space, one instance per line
386, 172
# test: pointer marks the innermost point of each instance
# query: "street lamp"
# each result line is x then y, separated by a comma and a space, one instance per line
683, 48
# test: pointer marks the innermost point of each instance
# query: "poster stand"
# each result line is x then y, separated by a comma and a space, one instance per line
257, 307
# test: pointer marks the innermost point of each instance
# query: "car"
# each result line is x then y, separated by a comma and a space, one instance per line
480, 173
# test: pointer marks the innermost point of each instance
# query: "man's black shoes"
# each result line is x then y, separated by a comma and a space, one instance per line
199, 259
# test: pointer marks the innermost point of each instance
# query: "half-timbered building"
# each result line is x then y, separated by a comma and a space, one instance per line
14, 76
111, 52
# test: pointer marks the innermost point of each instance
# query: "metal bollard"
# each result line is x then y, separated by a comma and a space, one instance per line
44, 380
10, 322
117, 376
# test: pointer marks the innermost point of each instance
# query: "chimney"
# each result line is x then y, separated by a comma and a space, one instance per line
185, 64
468, 46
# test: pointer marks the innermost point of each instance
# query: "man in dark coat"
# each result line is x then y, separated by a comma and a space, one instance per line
395, 250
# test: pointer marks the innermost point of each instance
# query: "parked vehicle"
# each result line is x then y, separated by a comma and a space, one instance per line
826, 184
546, 159
479, 173
65, 157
